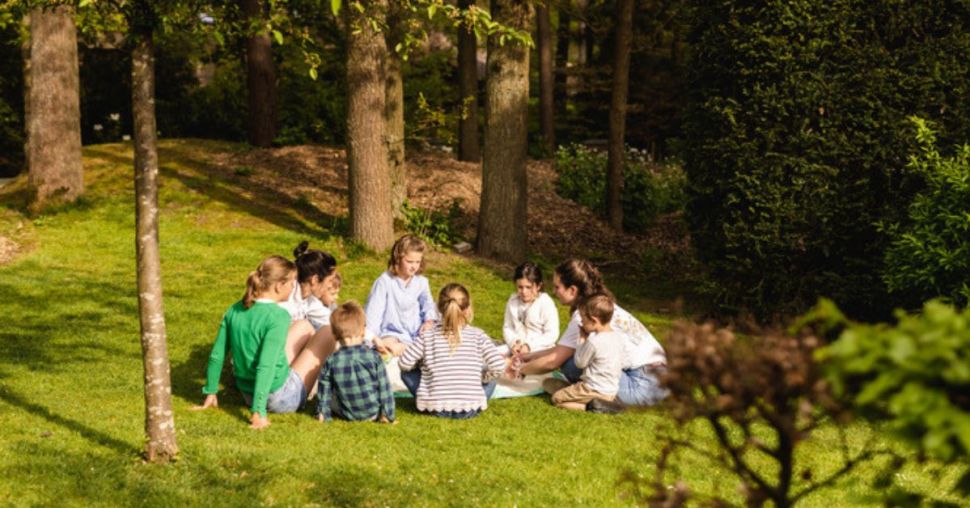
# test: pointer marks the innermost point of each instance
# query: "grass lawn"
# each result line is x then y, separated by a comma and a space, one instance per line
71, 399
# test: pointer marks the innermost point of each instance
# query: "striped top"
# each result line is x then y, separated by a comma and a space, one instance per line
452, 381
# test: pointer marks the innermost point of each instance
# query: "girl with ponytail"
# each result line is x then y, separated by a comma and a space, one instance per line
451, 368
254, 332
643, 359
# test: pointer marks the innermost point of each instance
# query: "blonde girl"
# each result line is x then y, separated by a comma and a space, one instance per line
254, 333
399, 306
451, 368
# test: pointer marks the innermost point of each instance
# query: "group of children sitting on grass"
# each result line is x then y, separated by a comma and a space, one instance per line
288, 339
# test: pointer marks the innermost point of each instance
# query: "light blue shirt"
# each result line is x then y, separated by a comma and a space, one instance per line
395, 309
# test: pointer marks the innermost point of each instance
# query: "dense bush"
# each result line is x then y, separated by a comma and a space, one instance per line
648, 189
797, 139
929, 255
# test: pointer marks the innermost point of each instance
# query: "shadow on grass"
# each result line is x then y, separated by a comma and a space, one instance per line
95, 436
188, 378
240, 193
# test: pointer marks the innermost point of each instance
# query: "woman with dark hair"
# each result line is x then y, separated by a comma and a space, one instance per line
643, 358
310, 305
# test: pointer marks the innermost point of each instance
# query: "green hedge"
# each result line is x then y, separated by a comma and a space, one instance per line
797, 139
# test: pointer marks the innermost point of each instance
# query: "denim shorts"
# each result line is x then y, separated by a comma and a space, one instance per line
288, 399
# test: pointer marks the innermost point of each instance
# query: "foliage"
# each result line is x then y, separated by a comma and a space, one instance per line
648, 189
929, 254
434, 226
913, 376
763, 398
797, 139
11, 101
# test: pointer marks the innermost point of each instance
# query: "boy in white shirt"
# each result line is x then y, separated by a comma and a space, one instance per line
599, 354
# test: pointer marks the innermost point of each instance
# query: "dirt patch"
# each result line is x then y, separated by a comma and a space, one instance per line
8, 250
557, 227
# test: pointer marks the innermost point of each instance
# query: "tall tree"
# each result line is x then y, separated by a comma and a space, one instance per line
371, 217
54, 120
546, 84
502, 224
394, 109
468, 146
159, 419
621, 82
260, 76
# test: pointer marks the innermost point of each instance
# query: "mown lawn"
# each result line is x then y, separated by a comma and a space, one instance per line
71, 403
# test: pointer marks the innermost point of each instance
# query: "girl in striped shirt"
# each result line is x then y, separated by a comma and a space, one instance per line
451, 369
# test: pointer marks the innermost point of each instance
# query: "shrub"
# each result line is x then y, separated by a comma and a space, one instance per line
796, 139
913, 376
434, 226
648, 189
761, 397
929, 254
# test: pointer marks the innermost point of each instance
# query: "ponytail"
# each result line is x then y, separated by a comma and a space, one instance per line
310, 262
454, 304
272, 270
582, 274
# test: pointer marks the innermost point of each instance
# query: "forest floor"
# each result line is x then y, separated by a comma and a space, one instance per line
71, 386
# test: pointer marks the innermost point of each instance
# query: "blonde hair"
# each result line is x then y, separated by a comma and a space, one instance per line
273, 270
455, 306
348, 321
401, 248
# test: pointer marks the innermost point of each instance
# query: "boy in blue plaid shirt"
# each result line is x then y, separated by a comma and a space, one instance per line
353, 384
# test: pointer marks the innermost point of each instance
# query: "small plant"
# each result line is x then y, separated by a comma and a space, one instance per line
434, 226
929, 255
648, 189
914, 377
761, 396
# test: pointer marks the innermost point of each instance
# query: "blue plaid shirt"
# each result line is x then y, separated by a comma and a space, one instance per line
355, 379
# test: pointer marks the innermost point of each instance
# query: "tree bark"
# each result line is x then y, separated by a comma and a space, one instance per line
159, 419
502, 225
562, 57
468, 146
621, 82
371, 217
547, 125
53, 129
25, 55
394, 115
260, 78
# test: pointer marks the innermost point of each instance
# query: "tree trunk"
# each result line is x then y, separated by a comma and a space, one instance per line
54, 120
394, 116
562, 57
502, 224
159, 419
621, 81
468, 146
25, 55
371, 217
546, 84
260, 78
577, 49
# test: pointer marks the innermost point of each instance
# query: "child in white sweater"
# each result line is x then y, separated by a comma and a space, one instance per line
531, 318
599, 354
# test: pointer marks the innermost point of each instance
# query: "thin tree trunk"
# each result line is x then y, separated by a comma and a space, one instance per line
577, 50
546, 84
260, 79
159, 419
468, 146
621, 81
54, 107
371, 218
502, 224
25, 55
394, 116
562, 57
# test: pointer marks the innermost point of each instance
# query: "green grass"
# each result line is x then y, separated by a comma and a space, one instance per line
71, 400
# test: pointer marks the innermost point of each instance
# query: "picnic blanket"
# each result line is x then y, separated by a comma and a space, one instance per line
507, 388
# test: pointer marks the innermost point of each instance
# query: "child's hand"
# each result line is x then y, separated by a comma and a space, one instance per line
210, 401
321, 419
384, 419
397, 348
520, 348
429, 324
258, 421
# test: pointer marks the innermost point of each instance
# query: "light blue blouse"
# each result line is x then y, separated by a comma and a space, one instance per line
396, 309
